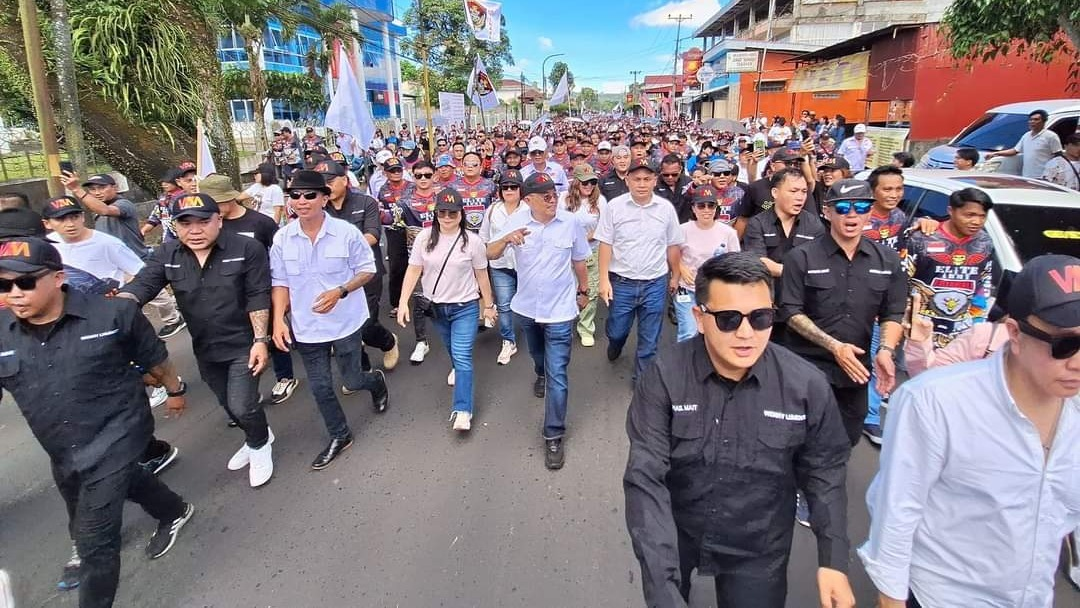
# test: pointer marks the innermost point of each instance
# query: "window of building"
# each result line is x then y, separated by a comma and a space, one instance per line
772, 86
242, 110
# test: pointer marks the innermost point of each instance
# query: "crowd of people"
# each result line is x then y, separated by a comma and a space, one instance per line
798, 294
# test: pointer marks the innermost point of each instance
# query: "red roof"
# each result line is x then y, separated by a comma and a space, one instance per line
662, 83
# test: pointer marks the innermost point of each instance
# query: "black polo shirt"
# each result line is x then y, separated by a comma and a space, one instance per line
76, 387
679, 196
253, 225
362, 211
611, 185
714, 465
759, 198
764, 235
844, 298
216, 298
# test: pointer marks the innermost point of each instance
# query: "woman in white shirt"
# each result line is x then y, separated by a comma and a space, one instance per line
703, 238
584, 200
503, 270
451, 265
267, 196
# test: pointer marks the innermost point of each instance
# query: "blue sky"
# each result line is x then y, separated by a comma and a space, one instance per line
602, 40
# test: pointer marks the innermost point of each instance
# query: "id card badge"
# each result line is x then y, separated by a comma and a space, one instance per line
683, 298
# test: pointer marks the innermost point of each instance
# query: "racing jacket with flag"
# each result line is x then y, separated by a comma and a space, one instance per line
476, 197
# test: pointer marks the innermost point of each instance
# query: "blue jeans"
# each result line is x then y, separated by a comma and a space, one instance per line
237, 392
504, 284
549, 347
684, 316
283, 367
456, 324
348, 352
644, 299
873, 411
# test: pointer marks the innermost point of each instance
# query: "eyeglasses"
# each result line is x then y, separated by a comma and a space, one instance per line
395, 170
845, 207
1061, 347
308, 196
423, 175
537, 153
447, 213
590, 182
26, 282
705, 205
670, 174
730, 320
721, 174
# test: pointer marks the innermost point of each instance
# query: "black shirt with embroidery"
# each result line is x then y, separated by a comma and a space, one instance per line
714, 465
75, 385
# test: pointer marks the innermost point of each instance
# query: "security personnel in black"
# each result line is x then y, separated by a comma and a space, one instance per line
66, 359
675, 185
613, 183
833, 290
362, 211
722, 428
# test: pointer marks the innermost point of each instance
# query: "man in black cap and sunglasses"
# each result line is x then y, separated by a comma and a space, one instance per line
987, 445
723, 428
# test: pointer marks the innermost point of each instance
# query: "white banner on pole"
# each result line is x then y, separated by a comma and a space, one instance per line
349, 111
480, 90
561, 93
452, 106
484, 18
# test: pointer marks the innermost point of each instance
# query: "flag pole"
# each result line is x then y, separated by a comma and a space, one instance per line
198, 147
427, 81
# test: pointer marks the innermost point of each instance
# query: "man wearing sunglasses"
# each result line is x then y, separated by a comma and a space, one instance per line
833, 291
723, 429
477, 192
985, 445
675, 185
729, 193
66, 358
538, 163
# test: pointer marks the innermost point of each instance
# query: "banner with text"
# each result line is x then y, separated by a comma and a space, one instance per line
843, 74
452, 106
887, 141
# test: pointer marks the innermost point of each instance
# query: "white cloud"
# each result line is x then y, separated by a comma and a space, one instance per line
612, 86
545, 42
520, 64
701, 10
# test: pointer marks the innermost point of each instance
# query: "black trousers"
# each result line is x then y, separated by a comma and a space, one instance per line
95, 515
397, 262
156, 448
913, 603
754, 583
853, 402
373, 331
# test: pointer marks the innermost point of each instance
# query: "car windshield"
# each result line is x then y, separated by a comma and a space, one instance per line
993, 132
992, 181
1039, 230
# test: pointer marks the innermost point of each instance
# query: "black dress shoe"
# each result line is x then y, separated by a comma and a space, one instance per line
332, 451
380, 397
613, 352
553, 454
539, 386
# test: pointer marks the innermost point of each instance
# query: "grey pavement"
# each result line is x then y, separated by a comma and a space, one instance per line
412, 515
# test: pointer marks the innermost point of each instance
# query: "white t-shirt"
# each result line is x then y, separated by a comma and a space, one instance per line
458, 283
585, 217
102, 255
1037, 150
266, 198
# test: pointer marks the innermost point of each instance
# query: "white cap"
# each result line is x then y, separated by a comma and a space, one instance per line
604, 145
537, 143
383, 155
860, 128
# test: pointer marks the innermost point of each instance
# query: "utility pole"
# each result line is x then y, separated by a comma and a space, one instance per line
427, 79
70, 113
521, 100
35, 64
675, 68
634, 91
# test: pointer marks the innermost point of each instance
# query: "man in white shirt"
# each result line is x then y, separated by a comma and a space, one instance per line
103, 256
1064, 168
980, 472
1038, 146
538, 163
550, 251
858, 149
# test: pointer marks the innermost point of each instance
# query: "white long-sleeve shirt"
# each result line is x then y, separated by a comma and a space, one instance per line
965, 511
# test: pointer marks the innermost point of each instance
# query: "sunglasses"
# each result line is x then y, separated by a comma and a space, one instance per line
423, 175
510, 187
472, 165
590, 182
721, 173
1061, 347
730, 320
309, 196
705, 205
447, 213
669, 175
860, 207
537, 153
395, 170
26, 282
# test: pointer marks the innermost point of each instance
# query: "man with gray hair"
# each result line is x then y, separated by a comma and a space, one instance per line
614, 183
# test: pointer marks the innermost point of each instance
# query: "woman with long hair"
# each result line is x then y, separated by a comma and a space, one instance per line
503, 270
266, 194
584, 200
451, 265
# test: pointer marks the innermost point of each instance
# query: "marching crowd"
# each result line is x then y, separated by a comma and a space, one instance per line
798, 293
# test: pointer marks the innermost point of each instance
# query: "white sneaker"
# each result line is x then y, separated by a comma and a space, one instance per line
462, 421
509, 349
451, 377
418, 353
262, 465
242, 457
7, 596
158, 396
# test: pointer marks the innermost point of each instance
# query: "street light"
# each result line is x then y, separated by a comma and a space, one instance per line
543, 73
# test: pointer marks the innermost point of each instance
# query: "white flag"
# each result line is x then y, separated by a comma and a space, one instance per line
204, 161
349, 111
480, 90
484, 19
562, 92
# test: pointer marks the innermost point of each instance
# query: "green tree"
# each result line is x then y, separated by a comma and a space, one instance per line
588, 97
557, 71
438, 29
1038, 29
302, 91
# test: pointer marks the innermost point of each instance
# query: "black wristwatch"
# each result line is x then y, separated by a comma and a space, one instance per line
179, 393
343, 292
888, 348
582, 293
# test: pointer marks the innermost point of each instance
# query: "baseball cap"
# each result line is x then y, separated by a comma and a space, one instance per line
538, 183
330, 169
783, 155
29, 254
510, 151
409, 145
382, 156
511, 177
60, 206
448, 199
704, 194
584, 173
641, 163
392, 164
837, 163
719, 165
537, 144
219, 187
1046, 287
444, 160
19, 221
339, 157
674, 137
638, 142
860, 128
200, 205
604, 145
102, 179
849, 190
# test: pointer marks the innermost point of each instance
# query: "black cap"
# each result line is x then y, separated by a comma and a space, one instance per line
448, 199
18, 221
538, 183
641, 163
638, 142
60, 206
170, 176
511, 176
308, 180
29, 254
704, 194
509, 151
339, 157
1047, 287
196, 205
784, 155
102, 179
392, 164
838, 162
330, 169
849, 190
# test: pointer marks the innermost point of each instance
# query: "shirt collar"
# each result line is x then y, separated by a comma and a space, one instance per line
327, 227
75, 305
865, 246
704, 370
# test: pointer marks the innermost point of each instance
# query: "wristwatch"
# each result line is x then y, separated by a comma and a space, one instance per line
582, 293
343, 292
888, 348
263, 340
181, 391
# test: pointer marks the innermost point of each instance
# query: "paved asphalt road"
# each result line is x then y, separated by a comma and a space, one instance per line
413, 515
